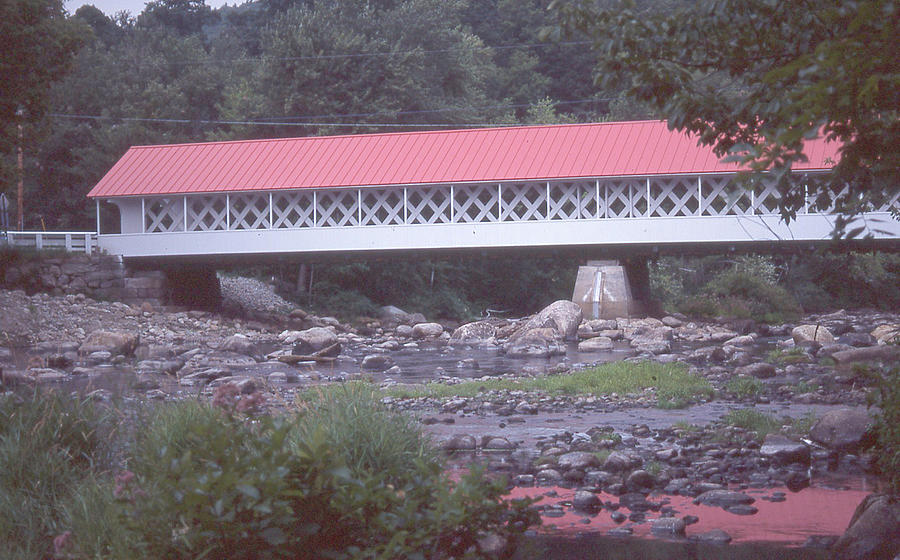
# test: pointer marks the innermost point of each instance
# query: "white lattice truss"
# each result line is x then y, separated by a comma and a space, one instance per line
654, 197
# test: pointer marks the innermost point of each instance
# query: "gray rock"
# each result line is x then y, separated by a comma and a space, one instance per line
578, 460
673, 322
595, 344
857, 339
312, 340
667, 527
617, 462
723, 498
842, 429
459, 443
812, 333
239, 344
561, 316
427, 330
874, 530
496, 443
760, 370
114, 342
586, 501
377, 362
549, 476
640, 480
535, 343
782, 450
887, 334
479, 332
882, 353
715, 536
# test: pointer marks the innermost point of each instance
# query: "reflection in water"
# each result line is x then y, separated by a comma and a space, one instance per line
813, 511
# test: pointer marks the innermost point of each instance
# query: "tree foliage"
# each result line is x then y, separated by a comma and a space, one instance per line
756, 79
38, 46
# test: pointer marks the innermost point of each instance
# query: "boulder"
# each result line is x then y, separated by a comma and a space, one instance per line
715, 536
882, 353
617, 462
667, 527
782, 450
577, 460
312, 340
239, 344
479, 332
842, 429
562, 317
377, 362
639, 481
874, 530
760, 370
427, 330
535, 343
584, 500
805, 334
596, 344
857, 339
459, 443
114, 342
723, 498
887, 334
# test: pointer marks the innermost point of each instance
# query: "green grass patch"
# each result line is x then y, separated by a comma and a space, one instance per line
754, 421
745, 386
789, 356
675, 385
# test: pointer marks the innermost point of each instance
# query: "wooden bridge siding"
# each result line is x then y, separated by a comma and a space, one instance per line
668, 209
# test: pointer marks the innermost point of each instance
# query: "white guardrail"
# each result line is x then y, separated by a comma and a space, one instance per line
69, 241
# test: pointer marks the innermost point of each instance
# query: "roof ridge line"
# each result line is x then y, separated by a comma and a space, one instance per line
385, 134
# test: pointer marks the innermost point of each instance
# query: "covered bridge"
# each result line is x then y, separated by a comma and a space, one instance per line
622, 184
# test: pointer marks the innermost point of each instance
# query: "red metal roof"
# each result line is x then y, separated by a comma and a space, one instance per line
409, 158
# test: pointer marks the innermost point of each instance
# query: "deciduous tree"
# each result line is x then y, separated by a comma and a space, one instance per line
755, 79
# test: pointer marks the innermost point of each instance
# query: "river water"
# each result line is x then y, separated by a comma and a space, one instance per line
778, 530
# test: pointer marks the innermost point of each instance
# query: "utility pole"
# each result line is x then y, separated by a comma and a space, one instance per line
21, 172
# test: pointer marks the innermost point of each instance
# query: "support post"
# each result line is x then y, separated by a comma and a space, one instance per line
452, 205
143, 215
699, 195
547, 206
227, 211
184, 200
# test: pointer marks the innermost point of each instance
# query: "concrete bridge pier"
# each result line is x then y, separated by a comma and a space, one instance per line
607, 289
193, 286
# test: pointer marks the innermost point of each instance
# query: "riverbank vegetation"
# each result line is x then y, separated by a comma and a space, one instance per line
674, 385
340, 478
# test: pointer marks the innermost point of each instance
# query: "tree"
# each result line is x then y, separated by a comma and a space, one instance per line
755, 79
38, 45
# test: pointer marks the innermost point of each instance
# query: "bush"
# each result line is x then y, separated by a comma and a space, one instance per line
741, 292
886, 397
343, 478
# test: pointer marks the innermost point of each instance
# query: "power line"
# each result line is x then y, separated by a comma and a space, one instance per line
385, 54
267, 123
307, 119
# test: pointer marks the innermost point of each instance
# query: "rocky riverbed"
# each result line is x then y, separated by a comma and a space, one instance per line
598, 445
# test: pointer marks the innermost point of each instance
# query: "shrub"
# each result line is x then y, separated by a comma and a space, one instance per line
886, 397
344, 478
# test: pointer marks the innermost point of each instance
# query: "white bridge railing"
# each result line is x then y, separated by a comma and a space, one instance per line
653, 197
70, 241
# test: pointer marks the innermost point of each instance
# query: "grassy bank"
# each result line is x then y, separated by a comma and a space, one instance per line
675, 386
